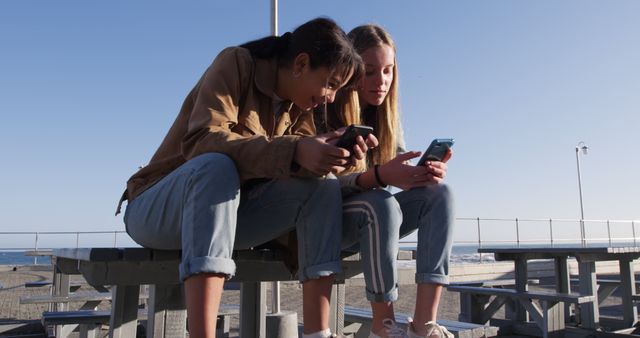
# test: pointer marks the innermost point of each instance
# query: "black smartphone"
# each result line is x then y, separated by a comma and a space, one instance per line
436, 151
348, 139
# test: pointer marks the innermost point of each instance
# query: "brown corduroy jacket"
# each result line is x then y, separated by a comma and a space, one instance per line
230, 111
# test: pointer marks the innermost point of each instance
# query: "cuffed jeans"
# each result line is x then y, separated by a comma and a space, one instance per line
430, 210
373, 222
200, 208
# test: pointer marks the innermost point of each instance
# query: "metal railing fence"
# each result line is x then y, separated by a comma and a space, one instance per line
476, 232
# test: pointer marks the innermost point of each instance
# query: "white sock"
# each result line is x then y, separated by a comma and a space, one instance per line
326, 333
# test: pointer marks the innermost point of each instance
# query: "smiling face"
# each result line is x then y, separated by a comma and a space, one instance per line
379, 62
313, 87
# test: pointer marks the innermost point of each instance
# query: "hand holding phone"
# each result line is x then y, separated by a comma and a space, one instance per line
437, 150
348, 139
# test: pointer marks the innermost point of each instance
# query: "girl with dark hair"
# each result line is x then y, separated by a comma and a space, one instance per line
241, 166
424, 204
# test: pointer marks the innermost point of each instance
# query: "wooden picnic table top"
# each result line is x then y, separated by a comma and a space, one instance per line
134, 254
39, 252
561, 250
599, 253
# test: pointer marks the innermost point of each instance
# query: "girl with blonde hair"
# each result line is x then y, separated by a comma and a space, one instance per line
424, 203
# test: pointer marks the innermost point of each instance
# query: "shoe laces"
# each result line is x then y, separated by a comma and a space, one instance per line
392, 329
434, 330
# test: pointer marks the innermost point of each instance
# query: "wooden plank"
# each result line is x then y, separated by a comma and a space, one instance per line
563, 297
76, 297
89, 254
39, 253
81, 317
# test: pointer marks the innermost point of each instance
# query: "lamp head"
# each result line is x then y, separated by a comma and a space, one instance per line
582, 146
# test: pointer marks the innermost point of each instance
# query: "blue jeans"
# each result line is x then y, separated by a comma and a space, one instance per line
373, 222
430, 210
201, 209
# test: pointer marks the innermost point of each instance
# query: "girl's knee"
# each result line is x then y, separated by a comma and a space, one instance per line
215, 169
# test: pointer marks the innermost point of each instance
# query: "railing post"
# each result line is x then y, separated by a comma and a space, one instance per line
35, 248
609, 232
633, 229
551, 231
517, 233
115, 239
77, 240
479, 240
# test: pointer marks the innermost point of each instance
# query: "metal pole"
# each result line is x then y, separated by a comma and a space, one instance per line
275, 286
609, 232
479, 240
77, 240
582, 230
551, 231
274, 17
517, 233
633, 229
35, 247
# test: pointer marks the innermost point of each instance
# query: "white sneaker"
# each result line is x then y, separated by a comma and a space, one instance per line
390, 330
434, 330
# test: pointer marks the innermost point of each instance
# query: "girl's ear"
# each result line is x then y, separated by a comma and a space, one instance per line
300, 64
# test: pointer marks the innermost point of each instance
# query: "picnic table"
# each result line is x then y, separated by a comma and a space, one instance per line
125, 269
587, 280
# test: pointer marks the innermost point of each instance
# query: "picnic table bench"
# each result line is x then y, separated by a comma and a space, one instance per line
589, 317
125, 269
549, 317
606, 287
472, 305
363, 317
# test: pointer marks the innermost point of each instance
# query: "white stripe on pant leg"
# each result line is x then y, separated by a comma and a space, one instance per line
373, 222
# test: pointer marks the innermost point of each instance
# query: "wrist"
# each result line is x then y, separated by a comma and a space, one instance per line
376, 172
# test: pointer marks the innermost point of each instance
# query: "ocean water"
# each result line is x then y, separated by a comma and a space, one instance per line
18, 258
460, 254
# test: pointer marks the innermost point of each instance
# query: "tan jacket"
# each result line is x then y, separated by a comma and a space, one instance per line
230, 111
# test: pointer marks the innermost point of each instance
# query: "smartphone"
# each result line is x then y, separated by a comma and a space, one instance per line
348, 139
436, 151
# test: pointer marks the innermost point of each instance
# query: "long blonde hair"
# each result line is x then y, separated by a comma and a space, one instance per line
387, 116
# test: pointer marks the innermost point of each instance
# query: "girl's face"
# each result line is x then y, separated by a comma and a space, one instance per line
313, 87
376, 83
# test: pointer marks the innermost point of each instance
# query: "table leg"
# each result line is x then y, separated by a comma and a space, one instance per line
253, 309
167, 314
124, 311
562, 281
336, 317
628, 282
589, 312
520, 267
60, 287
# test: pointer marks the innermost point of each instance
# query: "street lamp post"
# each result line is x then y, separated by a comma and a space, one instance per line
581, 147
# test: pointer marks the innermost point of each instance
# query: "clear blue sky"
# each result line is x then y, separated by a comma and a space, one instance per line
88, 90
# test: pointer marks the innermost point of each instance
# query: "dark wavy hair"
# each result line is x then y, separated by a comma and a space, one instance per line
322, 39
